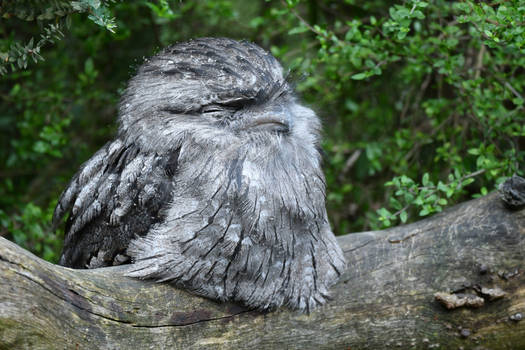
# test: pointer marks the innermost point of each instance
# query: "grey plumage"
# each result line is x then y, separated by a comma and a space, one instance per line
213, 182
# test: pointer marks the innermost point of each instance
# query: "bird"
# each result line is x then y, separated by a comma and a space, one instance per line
213, 183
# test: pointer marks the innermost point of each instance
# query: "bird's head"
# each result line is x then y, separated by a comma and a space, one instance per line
217, 91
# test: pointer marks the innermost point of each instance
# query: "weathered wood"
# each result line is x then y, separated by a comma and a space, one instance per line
384, 300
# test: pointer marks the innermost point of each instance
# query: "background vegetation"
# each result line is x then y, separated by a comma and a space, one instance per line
422, 102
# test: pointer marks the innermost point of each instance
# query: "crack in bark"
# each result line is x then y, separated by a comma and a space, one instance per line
2, 258
399, 240
192, 323
70, 302
359, 247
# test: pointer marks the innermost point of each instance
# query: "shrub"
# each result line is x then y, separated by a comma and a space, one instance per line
422, 102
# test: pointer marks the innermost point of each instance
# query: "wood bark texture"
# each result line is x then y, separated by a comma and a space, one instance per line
386, 299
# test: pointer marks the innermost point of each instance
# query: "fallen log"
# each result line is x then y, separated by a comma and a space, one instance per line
454, 280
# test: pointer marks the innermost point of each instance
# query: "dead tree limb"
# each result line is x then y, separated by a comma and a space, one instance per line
386, 298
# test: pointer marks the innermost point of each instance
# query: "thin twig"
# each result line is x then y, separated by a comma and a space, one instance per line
304, 22
514, 91
468, 176
479, 61
350, 162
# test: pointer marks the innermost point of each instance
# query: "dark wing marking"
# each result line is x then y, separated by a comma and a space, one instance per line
118, 194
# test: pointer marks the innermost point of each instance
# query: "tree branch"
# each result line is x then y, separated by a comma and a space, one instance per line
385, 299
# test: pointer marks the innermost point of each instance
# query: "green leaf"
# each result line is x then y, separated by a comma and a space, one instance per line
403, 216
384, 213
425, 179
359, 76
402, 33
467, 181
298, 30
418, 14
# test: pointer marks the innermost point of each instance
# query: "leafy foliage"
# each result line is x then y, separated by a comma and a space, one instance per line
18, 54
434, 88
422, 102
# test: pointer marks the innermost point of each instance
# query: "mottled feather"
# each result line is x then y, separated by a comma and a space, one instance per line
107, 198
213, 183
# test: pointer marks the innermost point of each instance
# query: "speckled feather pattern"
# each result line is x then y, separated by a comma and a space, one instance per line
213, 183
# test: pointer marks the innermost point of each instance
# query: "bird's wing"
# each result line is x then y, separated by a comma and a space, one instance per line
116, 195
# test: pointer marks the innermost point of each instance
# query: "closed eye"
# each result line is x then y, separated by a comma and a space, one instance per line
218, 112
238, 103
211, 109
227, 107
224, 108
